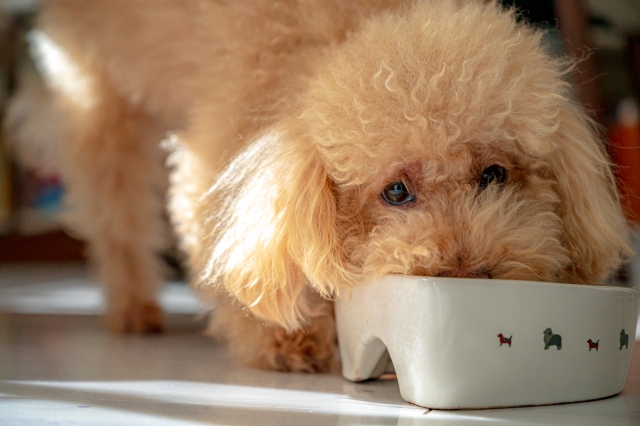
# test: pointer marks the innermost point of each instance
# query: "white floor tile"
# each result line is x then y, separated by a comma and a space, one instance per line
59, 366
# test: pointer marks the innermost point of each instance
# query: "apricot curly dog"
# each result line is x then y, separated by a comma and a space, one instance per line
314, 145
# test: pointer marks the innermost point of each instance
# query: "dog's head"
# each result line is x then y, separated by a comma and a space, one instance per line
548, 334
441, 140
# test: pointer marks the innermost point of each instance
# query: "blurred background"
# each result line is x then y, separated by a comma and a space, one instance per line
605, 34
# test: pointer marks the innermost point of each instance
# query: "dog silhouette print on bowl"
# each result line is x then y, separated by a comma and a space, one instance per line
440, 334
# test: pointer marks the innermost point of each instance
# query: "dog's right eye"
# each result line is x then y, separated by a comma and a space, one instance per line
397, 194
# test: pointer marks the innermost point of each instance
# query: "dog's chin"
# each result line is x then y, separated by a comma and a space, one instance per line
462, 273
481, 273
452, 272
520, 274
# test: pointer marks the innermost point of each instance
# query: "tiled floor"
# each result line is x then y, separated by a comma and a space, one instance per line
58, 366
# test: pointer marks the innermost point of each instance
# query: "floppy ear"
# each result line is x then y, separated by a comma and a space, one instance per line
271, 234
596, 232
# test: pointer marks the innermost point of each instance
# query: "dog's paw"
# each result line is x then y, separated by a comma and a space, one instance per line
300, 352
267, 346
136, 317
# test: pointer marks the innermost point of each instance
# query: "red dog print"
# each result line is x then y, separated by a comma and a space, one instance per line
506, 340
593, 345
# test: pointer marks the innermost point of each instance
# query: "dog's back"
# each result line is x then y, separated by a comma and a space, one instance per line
172, 57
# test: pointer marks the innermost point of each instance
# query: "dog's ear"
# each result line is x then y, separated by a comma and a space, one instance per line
272, 233
596, 233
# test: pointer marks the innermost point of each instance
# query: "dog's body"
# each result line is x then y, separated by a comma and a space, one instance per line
316, 144
624, 339
505, 340
593, 345
551, 339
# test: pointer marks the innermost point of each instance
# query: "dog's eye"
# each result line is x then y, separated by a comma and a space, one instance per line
493, 174
397, 193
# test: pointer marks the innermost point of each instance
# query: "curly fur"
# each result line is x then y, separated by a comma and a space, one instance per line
289, 118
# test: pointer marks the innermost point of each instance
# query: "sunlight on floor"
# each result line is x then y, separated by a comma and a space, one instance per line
27, 412
248, 397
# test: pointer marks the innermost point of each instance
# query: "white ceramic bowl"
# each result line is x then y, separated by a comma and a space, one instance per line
443, 336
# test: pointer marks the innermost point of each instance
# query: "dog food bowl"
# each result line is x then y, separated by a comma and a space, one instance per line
472, 343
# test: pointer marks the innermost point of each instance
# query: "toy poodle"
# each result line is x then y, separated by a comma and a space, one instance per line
313, 145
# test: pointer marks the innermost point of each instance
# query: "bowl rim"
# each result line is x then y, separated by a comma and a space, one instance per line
494, 281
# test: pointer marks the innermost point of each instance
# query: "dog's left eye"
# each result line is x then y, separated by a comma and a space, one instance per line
493, 174
397, 194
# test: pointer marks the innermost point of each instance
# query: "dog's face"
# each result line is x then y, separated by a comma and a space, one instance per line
439, 141
470, 209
